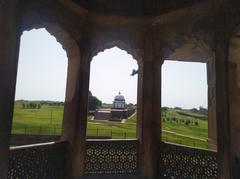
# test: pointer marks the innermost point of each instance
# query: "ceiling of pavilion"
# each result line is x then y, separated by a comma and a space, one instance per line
135, 7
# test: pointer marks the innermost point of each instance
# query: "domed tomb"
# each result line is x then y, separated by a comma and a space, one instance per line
119, 102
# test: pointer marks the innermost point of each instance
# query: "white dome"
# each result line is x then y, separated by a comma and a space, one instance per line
119, 97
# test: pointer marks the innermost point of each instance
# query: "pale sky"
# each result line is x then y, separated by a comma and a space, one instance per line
42, 74
184, 84
42, 67
110, 73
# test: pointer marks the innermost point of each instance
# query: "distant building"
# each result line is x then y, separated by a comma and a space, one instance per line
119, 102
118, 112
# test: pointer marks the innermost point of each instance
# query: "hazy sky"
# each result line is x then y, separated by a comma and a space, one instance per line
184, 84
110, 73
42, 74
42, 67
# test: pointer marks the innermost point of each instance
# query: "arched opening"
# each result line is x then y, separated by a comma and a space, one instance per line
185, 103
112, 95
40, 90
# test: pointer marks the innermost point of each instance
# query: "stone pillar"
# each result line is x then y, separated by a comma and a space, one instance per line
9, 48
79, 152
70, 107
70, 116
222, 114
222, 99
234, 103
212, 123
149, 117
75, 114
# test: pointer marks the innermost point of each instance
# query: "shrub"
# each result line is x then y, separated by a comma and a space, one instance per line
187, 122
196, 123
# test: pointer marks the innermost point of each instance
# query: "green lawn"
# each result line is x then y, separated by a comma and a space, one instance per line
48, 120
43, 120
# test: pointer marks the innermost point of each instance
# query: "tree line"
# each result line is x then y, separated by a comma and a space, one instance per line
201, 110
31, 105
93, 103
39, 104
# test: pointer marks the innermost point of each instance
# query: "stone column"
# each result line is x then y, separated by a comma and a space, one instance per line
70, 116
212, 123
9, 48
222, 99
149, 117
234, 104
79, 152
222, 93
222, 114
75, 114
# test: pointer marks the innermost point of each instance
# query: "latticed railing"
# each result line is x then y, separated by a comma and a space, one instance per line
40, 161
112, 157
186, 163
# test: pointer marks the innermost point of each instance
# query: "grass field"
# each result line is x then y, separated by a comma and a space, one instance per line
48, 120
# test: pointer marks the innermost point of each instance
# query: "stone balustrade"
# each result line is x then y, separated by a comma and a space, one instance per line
38, 161
176, 161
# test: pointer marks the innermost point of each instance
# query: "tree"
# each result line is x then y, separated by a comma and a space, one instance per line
203, 110
187, 122
194, 110
178, 108
196, 123
164, 109
23, 105
93, 102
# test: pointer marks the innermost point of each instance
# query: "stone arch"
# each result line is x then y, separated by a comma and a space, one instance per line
63, 37
135, 53
193, 42
198, 47
192, 53
122, 45
72, 50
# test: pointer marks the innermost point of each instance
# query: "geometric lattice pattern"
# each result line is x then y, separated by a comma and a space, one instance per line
178, 162
45, 161
111, 157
